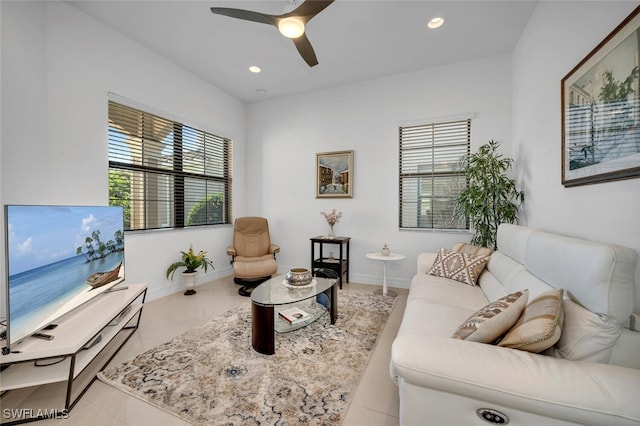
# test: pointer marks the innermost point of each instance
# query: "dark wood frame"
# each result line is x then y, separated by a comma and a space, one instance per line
320, 174
340, 264
607, 170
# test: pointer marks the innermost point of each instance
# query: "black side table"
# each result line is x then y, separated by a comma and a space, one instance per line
325, 259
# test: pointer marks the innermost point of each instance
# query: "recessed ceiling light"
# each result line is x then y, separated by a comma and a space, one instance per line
261, 91
254, 69
435, 23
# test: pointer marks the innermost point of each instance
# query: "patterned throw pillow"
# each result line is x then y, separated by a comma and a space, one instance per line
462, 267
492, 321
540, 325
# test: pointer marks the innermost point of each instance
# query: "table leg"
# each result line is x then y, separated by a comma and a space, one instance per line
333, 310
385, 291
262, 329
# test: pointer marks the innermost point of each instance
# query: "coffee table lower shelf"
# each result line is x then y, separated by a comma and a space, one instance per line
265, 321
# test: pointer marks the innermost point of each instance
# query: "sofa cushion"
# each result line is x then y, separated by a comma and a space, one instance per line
427, 318
540, 325
585, 335
447, 292
458, 266
493, 320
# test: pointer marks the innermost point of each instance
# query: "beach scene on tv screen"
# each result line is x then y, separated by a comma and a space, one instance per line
59, 257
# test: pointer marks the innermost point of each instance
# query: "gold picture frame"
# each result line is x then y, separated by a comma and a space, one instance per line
334, 174
601, 110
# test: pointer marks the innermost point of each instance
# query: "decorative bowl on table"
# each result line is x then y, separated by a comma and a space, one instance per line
299, 277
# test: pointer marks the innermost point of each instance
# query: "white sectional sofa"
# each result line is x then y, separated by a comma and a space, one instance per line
590, 377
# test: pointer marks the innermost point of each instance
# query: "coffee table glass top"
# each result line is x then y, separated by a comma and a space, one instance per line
275, 292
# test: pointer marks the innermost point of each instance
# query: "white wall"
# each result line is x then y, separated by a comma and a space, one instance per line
558, 36
285, 134
58, 66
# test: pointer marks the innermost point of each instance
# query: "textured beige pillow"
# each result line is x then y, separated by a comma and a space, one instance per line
462, 267
585, 335
540, 325
492, 321
471, 249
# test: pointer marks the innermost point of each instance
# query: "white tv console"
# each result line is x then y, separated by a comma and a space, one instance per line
73, 355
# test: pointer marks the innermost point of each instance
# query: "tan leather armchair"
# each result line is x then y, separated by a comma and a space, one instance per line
253, 256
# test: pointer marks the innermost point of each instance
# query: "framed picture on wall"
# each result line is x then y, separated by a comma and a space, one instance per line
334, 174
601, 110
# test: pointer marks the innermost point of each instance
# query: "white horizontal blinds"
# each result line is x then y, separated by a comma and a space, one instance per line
430, 178
167, 174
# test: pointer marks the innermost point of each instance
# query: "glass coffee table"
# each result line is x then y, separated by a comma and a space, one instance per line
274, 296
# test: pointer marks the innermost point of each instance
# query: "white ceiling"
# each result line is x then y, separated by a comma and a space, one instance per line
354, 40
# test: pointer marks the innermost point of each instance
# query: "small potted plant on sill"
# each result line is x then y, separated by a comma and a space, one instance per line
191, 262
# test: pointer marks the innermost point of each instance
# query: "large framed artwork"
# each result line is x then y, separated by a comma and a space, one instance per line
601, 110
334, 174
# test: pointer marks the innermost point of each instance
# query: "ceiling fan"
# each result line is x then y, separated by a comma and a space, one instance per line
289, 24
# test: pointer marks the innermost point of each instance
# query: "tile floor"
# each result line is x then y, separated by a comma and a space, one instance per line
374, 403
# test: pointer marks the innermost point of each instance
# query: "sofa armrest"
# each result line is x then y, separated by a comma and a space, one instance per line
518, 379
231, 251
274, 248
425, 262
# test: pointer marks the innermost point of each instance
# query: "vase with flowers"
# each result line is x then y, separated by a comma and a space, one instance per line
191, 262
332, 218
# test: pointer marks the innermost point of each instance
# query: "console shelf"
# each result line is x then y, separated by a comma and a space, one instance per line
75, 355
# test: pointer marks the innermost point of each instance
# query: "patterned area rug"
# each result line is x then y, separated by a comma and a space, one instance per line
212, 376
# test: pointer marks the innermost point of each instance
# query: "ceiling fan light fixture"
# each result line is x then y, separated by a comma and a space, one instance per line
291, 27
435, 22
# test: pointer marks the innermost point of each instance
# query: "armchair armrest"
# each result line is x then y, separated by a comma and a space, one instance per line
231, 251
274, 248
586, 392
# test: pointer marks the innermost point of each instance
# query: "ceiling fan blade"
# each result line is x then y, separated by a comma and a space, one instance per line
305, 12
246, 15
306, 50
309, 9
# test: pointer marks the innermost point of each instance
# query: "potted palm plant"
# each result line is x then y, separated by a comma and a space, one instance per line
190, 262
491, 197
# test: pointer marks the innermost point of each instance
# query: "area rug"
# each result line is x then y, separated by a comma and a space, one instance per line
212, 376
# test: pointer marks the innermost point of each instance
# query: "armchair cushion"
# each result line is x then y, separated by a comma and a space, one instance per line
252, 250
251, 236
254, 267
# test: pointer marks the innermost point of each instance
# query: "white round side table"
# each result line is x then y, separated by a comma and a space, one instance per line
390, 258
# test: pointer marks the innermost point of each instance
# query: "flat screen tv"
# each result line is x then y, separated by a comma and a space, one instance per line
58, 258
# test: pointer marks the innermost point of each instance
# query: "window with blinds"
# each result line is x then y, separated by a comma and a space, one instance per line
166, 174
430, 177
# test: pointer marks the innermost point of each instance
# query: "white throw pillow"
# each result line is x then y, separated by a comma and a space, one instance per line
585, 335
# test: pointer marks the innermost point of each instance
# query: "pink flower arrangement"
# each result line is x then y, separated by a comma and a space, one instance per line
333, 217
